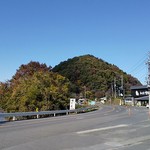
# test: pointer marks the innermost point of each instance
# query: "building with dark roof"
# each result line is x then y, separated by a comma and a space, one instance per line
140, 95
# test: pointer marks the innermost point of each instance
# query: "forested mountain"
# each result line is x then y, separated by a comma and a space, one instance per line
95, 76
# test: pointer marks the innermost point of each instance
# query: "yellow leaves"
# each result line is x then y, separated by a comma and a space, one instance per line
42, 90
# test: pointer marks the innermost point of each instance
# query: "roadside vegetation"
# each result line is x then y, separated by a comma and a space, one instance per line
34, 86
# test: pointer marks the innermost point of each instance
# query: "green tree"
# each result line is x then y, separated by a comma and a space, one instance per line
46, 91
34, 86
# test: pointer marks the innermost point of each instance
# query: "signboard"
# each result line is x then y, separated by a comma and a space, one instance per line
92, 103
72, 103
139, 92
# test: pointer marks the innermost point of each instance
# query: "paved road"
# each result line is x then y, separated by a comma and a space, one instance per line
109, 128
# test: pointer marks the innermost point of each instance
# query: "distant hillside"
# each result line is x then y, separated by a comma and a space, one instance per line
95, 76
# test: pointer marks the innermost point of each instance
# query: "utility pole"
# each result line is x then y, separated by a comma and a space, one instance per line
112, 90
122, 90
122, 85
148, 82
85, 92
115, 87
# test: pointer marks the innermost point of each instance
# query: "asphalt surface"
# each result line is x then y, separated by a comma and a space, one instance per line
109, 128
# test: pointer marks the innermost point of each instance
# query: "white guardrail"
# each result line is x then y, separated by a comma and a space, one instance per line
40, 113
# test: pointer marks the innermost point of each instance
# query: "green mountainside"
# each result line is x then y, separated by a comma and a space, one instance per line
95, 76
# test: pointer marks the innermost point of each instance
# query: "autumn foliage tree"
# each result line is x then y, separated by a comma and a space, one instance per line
35, 86
27, 70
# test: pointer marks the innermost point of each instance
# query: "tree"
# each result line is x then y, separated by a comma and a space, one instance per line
29, 69
46, 91
35, 87
5, 92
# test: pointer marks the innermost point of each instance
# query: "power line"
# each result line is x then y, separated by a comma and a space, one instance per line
140, 70
137, 65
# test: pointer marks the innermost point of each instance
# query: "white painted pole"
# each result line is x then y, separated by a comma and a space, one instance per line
14, 118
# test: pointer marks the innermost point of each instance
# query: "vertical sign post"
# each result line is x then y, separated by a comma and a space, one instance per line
72, 103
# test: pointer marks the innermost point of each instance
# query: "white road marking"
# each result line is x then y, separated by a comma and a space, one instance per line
101, 129
79, 118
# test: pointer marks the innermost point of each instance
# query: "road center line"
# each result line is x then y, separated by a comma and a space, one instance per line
101, 129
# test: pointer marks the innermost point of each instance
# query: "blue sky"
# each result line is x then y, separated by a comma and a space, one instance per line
51, 31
